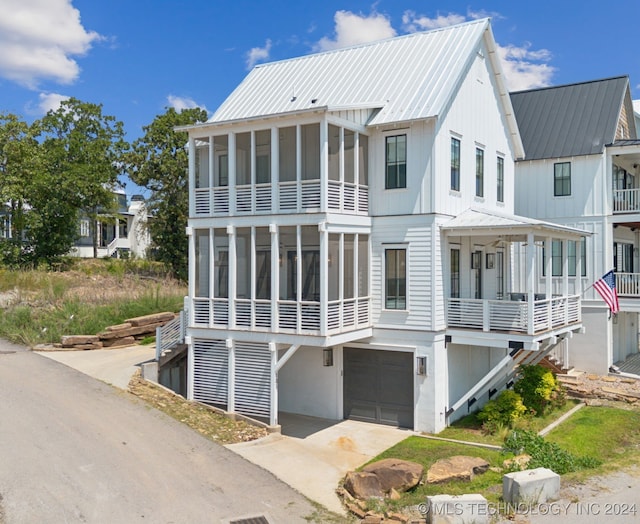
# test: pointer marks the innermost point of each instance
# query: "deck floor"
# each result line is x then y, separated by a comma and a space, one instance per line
631, 365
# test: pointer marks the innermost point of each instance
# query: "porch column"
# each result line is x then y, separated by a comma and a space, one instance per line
275, 275
252, 277
273, 415
191, 292
324, 276
233, 262
548, 278
231, 370
232, 173
299, 168
531, 276
578, 286
324, 165
275, 170
565, 278
192, 176
298, 277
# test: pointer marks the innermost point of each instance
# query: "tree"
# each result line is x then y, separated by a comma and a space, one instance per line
82, 152
159, 162
18, 165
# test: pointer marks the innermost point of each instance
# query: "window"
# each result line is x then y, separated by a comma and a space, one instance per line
623, 257
455, 164
85, 230
500, 275
454, 270
572, 258
556, 258
479, 172
396, 162
562, 179
395, 278
500, 179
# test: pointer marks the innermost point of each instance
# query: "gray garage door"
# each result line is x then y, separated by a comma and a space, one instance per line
378, 386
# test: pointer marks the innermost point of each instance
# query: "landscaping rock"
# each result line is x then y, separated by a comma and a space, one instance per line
363, 485
458, 467
400, 475
69, 341
119, 342
155, 318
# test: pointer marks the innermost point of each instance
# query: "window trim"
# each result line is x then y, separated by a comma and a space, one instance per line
479, 172
500, 179
561, 181
397, 163
455, 164
455, 280
396, 247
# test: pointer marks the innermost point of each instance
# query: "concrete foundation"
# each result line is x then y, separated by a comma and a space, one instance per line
532, 486
460, 509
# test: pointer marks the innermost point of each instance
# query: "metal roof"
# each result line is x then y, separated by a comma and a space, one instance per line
406, 78
569, 120
477, 222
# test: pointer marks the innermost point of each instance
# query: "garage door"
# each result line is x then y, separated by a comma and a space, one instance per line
378, 386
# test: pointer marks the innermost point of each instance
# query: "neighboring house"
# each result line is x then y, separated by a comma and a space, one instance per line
353, 248
580, 170
123, 235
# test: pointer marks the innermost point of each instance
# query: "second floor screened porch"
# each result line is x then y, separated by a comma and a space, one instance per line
292, 280
502, 286
293, 167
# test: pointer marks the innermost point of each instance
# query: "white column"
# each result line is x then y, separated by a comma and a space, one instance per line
548, 267
565, 278
192, 176
324, 276
233, 263
252, 167
231, 379
298, 277
341, 277
273, 418
232, 173
275, 169
298, 168
324, 165
275, 276
531, 275
191, 272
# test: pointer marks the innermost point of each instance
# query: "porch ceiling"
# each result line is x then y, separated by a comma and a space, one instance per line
512, 228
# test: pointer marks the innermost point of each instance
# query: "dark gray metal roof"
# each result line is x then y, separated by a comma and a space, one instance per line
569, 120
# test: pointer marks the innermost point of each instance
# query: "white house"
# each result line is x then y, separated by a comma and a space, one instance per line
353, 247
580, 170
124, 234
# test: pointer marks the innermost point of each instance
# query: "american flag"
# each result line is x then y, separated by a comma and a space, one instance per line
606, 286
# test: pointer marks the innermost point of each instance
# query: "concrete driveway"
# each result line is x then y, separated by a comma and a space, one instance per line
312, 455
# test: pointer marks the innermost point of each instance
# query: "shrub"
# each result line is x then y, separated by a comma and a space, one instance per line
539, 389
546, 454
504, 411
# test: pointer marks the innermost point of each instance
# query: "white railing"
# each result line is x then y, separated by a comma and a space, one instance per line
294, 197
628, 284
293, 317
626, 200
171, 334
511, 315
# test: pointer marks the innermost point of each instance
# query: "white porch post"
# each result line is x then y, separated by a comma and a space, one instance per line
578, 286
565, 278
191, 292
548, 278
232, 173
299, 168
275, 275
233, 263
324, 276
231, 392
192, 175
252, 278
324, 165
275, 170
273, 415
298, 278
531, 275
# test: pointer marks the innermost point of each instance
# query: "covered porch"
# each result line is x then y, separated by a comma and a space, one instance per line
512, 280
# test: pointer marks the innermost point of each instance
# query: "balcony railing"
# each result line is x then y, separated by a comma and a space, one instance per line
628, 284
512, 315
626, 200
293, 197
288, 316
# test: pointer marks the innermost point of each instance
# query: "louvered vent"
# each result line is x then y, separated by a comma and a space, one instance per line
253, 379
210, 371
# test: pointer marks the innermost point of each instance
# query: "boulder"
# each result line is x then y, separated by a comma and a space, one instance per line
119, 342
458, 467
396, 474
363, 485
154, 318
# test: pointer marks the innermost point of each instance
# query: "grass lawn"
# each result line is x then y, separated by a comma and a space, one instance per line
610, 434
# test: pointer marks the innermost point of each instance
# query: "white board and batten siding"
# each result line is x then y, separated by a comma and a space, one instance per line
475, 117
415, 233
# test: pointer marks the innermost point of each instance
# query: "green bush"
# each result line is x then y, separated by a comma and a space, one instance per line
539, 389
546, 454
504, 411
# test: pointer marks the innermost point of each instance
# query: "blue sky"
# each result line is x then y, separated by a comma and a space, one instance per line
137, 57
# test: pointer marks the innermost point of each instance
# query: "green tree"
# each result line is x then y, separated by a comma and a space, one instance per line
82, 152
18, 166
159, 161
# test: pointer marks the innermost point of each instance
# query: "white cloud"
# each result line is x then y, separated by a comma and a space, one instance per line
523, 67
38, 39
50, 101
258, 54
180, 102
352, 29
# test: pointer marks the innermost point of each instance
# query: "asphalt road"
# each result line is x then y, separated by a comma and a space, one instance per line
73, 449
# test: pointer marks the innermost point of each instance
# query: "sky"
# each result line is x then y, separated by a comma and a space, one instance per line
139, 57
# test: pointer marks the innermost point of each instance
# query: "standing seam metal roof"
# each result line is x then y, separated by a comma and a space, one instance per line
413, 75
569, 120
